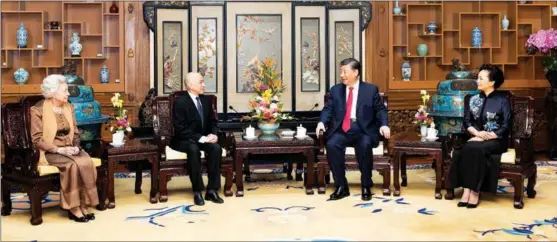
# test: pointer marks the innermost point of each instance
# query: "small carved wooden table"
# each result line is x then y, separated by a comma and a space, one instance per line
133, 150
412, 144
273, 144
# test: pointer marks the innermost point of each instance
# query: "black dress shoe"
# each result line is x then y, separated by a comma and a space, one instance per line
198, 199
366, 193
340, 193
462, 204
90, 216
71, 216
213, 197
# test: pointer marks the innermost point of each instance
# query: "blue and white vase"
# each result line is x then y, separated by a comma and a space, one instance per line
75, 46
396, 9
431, 27
21, 76
505, 23
21, 36
406, 71
476, 37
104, 74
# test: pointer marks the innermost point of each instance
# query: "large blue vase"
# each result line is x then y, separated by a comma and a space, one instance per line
268, 128
21, 36
104, 75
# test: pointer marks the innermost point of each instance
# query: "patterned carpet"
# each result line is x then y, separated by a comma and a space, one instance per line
274, 209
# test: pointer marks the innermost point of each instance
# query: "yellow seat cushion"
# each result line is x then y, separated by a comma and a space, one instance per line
48, 169
177, 155
509, 157
376, 151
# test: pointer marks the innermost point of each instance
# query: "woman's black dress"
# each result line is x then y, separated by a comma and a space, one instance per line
476, 164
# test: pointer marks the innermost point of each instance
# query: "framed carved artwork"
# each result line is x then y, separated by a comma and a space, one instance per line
256, 31
344, 40
171, 55
208, 48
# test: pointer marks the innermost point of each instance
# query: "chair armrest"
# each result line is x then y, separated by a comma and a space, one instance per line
321, 138
23, 161
227, 141
524, 149
455, 141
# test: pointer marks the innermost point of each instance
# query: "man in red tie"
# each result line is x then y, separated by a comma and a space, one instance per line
355, 116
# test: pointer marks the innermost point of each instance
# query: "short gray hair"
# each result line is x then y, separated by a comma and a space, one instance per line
192, 76
51, 84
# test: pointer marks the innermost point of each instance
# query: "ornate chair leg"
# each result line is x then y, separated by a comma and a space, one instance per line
386, 172
532, 184
35, 197
138, 178
518, 192
320, 179
6, 199
227, 173
162, 187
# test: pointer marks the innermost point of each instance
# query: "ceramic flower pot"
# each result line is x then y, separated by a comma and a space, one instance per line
423, 130
268, 128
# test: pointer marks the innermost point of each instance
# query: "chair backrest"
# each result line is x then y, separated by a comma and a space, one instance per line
162, 113
522, 115
14, 128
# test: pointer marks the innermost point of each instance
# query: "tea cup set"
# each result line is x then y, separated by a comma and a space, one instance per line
300, 133
432, 134
250, 133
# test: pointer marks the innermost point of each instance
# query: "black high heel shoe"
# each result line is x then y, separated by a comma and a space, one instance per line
473, 205
462, 204
71, 216
90, 216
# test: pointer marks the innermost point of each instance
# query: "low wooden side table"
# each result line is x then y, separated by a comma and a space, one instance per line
133, 150
273, 144
412, 144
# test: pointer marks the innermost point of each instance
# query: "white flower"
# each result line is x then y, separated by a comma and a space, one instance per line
111, 129
258, 111
275, 98
273, 106
423, 92
275, 115
259, 98
129, 129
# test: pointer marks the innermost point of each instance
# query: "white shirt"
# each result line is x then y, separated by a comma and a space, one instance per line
354, 98
194, 99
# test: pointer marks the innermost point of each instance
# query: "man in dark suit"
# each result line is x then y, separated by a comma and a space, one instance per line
356, 116
195, 130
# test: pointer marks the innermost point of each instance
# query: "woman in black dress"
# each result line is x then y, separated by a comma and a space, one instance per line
488, 122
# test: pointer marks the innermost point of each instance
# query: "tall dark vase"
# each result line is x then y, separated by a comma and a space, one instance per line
551, 108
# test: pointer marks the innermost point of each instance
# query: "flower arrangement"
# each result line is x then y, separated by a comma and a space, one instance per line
544, 41
121, 118
268, 87
422, 116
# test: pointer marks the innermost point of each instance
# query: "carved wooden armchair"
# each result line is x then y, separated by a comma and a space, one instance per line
173, 162
518, 162
381, 159
21, 171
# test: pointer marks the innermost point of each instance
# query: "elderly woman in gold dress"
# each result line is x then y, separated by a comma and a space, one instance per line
54, 132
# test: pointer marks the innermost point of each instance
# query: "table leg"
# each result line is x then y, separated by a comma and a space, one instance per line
396, 171
154, 178
438, 175
403, 170
111, 198
138, 177
310, 171
239, 160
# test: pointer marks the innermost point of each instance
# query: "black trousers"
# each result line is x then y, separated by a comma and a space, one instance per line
336, 151
476, 165
213, 154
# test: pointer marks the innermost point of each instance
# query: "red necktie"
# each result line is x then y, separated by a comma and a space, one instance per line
346, 122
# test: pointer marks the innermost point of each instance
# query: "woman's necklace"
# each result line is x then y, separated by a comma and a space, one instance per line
57, 110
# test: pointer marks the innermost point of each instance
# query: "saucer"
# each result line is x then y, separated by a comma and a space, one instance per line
117, 145
431, 138
301, 137
250, 138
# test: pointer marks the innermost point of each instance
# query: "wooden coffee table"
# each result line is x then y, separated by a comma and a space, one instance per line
133, 150
411, 143
273, 144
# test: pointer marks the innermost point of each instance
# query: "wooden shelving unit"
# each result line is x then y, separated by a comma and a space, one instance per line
100, 32
452, 39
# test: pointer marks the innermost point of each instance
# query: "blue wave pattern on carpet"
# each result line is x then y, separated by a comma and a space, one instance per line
161, 212
526, 230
